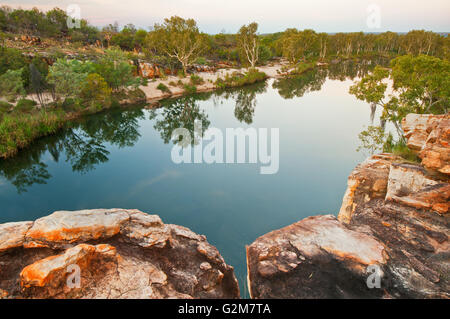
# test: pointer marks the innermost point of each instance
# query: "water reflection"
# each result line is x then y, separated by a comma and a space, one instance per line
182, 112
85, 142
310, 81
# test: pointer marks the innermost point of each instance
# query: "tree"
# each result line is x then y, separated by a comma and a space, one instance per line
115, 68
420, 85
248, 43
179, 39
68, 76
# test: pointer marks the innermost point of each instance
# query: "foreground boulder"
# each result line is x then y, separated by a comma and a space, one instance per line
109, 253
318, 257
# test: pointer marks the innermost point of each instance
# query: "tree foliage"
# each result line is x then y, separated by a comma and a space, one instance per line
179, 39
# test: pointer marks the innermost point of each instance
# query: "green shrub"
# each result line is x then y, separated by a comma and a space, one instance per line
196, 80
201, 60
399, 148
163, 88
69, 76
189, 89
237, 79
95, 91
11, 85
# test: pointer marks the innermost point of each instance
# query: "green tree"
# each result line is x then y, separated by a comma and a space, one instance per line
177, 38
248, 43
115, 68
69, 76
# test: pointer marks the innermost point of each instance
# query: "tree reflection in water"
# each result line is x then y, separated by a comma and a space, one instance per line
83, 143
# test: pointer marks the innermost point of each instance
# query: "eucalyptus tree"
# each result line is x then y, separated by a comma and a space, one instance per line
177, 38
248, 43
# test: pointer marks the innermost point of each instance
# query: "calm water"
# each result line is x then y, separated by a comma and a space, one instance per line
121, 158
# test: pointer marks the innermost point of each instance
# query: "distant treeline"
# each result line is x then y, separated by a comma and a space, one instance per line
293, 44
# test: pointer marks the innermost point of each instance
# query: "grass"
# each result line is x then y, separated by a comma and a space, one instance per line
163, 88
399, 148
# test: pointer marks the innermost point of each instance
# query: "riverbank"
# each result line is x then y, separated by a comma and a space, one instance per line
19, 128
209, 82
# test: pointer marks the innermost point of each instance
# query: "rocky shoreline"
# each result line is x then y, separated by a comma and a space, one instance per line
390, 240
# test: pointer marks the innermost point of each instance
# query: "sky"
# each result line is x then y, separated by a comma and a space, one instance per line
215, 16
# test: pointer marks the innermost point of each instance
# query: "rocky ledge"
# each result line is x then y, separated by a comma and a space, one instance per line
390, 239
109, 253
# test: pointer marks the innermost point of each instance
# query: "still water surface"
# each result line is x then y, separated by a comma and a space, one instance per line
122, 158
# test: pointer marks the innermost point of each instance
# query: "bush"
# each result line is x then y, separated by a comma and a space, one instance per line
189, 89
11, 85
95, 91
25, 106
238, 79
115, 68
196, 80
5, 106
163, 88
201, 61
69, 76
399, 148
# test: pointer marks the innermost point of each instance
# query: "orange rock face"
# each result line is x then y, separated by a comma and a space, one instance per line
429, 135
53, 270
367, 181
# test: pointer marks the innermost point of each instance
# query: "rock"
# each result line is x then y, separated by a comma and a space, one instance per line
405, 179
412, 185
13, 234
121, 254
429, 135
436, 198
49, 276
417, 244
435, 153
417, 127
63, 227
367, 181
391, 241
313, 258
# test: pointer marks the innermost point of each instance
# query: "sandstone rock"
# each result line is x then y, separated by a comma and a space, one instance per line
405, 179
417, 244
429, 135
436, 198
62, 227
393, 221
121, 254
416, 129
436, 152
313, 258
367, 181
413, 186
50, 274
13, 234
